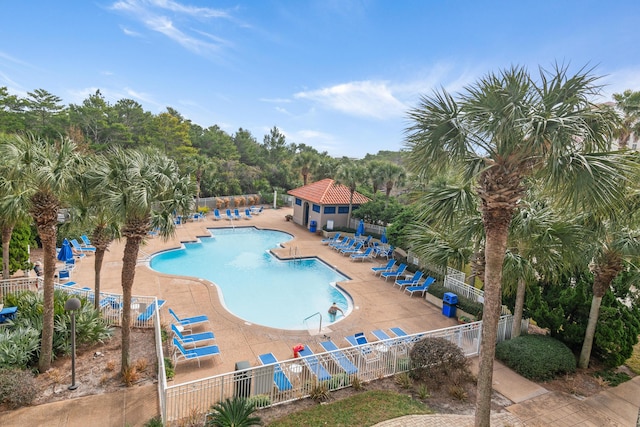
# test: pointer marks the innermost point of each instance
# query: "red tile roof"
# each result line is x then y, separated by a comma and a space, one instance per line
327, 192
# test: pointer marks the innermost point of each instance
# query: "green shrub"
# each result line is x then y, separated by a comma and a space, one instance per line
612, 378
154, 422
19, 346
236, 412
403, 364
90, 327
320, 392
564, 311
537, 357
17, 387
438, 361
169, 369
337, 381
260, 400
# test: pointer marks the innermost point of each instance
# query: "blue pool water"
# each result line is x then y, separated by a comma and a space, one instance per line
255, 285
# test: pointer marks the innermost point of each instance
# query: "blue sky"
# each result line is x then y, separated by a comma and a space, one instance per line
338, 75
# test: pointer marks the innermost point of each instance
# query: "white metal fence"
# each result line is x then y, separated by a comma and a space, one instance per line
296, 378
145, 310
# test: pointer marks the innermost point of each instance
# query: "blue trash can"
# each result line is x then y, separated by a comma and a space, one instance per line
449, 301
313, 226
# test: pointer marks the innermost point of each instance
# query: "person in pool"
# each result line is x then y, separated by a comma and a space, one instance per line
333, 311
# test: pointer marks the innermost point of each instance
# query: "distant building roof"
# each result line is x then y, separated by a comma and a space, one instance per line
327, 192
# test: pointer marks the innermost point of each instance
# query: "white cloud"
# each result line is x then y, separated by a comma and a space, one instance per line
158, 16
620, 80
362, 98
129, 32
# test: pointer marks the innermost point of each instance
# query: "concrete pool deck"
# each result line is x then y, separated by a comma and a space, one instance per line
377, 304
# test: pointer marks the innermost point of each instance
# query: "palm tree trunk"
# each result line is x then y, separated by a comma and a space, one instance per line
129, 260
594, 313
49, 259
7, 230
518, 309
605, 271
97, 267
496, 246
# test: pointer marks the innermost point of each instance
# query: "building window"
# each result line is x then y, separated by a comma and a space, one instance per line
316, 208
298, 202
329, 209
343, 209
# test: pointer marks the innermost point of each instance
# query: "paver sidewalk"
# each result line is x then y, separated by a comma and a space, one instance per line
129, 407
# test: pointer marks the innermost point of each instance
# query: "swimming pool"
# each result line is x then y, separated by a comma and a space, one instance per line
254, 284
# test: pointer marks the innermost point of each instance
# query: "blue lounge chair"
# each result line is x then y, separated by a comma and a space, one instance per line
409, 282
394, 273
192, 339
383, 268
247, 214
279, 377
216, 215
348, 242
422, 288
362, 255
335, 238
236, 214
108, 301
150, 311
339, 241
188, 322
314, 365
80, 249
339, 357
397, 345
85, 241
196, 353
229, 215
400, 333
352, 250
360, 341
383, 251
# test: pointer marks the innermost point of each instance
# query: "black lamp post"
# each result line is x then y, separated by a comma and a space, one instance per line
72, 304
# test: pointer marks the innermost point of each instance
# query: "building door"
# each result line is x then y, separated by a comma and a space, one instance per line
305, 214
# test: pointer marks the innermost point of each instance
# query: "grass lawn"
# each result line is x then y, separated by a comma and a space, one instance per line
363, 409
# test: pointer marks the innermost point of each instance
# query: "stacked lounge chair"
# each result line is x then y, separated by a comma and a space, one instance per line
195, 353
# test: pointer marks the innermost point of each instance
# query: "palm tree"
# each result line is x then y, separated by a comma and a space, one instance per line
503, 129
541, 245
47, 170
614, 241
628, 104
376, 174
13, 205
305, 161
393, 176
96, 212
141, 188
351, 175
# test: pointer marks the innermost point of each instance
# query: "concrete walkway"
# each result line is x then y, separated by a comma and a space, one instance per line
129, 407
534, 406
